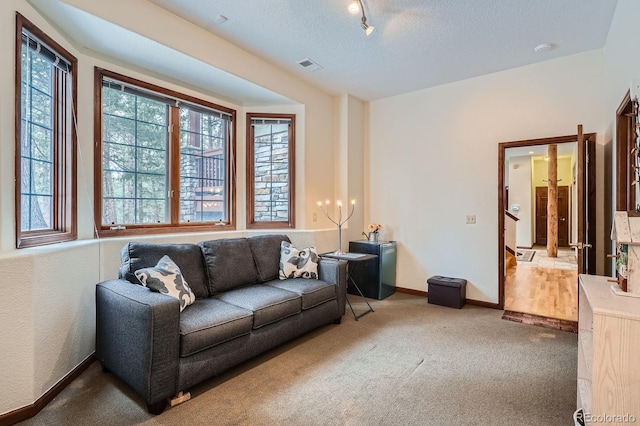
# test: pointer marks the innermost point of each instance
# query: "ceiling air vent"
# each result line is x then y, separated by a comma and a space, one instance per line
309, 65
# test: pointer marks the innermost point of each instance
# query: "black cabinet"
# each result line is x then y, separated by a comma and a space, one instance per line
376, 277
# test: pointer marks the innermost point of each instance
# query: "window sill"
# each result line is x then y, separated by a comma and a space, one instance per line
152, 230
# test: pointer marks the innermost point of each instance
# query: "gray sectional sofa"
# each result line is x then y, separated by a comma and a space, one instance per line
241, 309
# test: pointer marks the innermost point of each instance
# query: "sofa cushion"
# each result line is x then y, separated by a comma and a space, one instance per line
313, 292
268, 304
209, 322
296, 263
266, 254
188, 257
166, 278
229, 264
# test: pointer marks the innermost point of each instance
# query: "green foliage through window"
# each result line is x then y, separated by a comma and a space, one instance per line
164, 161
36, 206
45, 171
135, 150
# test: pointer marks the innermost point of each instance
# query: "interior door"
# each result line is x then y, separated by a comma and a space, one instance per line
542, 195
586, 209
563, 216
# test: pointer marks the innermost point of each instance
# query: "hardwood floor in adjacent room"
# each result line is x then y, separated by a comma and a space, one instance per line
547, 287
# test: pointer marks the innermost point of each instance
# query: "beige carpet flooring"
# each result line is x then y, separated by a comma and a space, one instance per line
409, 363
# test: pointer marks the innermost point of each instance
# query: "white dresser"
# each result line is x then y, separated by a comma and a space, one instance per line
608, 353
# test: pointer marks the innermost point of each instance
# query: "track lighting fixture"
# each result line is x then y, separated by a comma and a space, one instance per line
357, 6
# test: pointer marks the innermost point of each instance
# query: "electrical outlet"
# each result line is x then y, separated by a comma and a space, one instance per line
471, 219
315, 217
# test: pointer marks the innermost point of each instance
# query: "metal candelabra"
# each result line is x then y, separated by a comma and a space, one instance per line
338, 222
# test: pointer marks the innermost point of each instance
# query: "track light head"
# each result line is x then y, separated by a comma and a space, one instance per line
368, 29
354, 7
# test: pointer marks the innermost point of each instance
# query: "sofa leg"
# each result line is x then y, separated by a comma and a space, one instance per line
180, 398
104, 369
157, 407
337, 320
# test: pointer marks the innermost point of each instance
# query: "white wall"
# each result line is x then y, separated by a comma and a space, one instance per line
621, 58
49, 309
350, 164
519, 172
434, 153
622, 66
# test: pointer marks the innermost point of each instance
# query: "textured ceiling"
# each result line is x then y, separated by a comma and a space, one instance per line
416, 43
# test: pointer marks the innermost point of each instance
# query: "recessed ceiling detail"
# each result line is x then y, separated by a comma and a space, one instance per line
544, 47
220, 19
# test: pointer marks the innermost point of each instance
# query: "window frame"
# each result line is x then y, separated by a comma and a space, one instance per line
290, 222
64, 174
173, 174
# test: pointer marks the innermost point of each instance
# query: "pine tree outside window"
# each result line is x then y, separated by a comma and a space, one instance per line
166, 159
45, 139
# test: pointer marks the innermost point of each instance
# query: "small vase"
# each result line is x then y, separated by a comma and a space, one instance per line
373, 237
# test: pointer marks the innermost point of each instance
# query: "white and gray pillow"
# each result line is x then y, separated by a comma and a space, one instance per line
295, 263
166, 278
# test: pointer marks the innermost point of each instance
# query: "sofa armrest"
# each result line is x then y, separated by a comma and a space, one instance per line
138, 337
335, 271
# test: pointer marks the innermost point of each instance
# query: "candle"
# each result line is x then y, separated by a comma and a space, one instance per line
339, 221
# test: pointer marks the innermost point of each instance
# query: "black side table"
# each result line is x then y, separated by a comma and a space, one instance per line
352, 262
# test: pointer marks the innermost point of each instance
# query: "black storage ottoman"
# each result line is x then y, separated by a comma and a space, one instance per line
446, 291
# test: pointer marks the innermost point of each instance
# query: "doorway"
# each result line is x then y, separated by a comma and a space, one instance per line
553, 280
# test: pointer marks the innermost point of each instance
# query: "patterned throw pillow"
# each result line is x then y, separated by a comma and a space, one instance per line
296, 263
166, 278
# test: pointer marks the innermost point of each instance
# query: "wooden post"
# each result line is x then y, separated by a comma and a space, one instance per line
552, 203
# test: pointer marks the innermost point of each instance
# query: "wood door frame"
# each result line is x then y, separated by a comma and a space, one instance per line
586, 200
502, 147
625, 124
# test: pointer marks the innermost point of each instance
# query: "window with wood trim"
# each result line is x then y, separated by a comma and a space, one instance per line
45, 164
164, 161
270, 170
